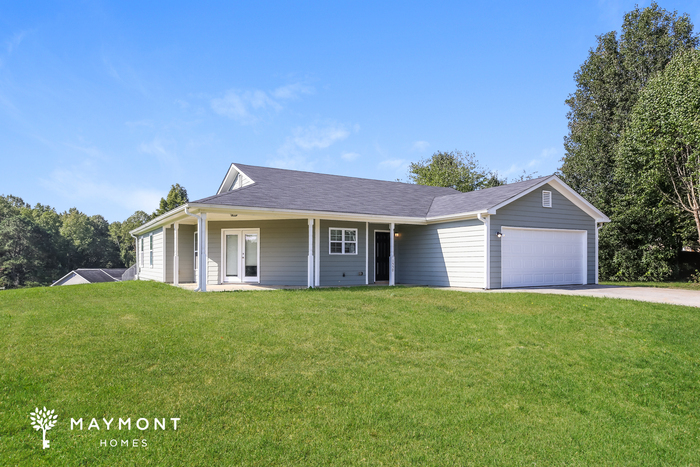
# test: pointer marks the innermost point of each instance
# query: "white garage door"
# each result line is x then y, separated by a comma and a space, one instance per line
533, 257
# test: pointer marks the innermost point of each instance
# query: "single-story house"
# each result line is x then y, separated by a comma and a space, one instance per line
91, 276
283, 227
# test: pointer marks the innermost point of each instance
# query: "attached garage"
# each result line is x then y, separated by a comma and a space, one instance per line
537, 257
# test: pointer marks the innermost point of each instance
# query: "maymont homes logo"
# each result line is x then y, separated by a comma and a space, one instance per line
43, 420
46, 419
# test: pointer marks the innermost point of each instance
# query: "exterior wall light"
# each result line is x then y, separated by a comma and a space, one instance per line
499, 234
397, 235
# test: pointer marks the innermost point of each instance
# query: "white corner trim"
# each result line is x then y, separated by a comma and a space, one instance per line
487, 249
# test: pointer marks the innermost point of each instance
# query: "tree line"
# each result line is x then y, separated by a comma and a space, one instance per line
632, 150
38, 245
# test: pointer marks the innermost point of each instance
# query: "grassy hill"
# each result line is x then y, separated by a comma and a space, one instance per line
359, 376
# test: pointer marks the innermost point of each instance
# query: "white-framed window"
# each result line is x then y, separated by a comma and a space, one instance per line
150, 250
342, 241
196, 251
546, 199
142, 263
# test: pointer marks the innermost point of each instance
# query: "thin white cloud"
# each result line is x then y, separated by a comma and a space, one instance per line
15, 41
312, 137
158, 149
246, 106
546, 157
420, 146
125, 75
77, 184
350, 156
291, 91
393, 164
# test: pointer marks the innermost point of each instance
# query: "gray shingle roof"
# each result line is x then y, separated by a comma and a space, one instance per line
480, 199
308, 191
99, 275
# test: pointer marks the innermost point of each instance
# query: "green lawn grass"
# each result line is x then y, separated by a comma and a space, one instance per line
357, 376
666, 285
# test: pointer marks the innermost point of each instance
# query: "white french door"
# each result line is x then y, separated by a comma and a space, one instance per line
240, 255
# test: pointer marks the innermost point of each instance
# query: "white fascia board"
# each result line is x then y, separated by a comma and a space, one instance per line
578, 200
226, 178
326, 215
163, 219
59, 280
230, 177
455, 217
566, 191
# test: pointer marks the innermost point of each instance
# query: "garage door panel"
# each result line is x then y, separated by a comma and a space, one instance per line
532, 257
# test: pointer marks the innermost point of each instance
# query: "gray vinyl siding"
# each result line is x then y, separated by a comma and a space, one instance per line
334, 266
185, 253
447, 254
169, 253
372, 243
528, 212
284, 249
155, 272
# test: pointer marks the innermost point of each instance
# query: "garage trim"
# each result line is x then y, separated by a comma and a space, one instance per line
584, 237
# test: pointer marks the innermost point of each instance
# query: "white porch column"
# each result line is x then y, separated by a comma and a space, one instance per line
392, 263
203, 253
310, 266
317, 255
366, 253
176, 256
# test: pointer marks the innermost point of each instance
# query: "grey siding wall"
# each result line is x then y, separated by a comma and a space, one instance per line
448, 254
185, 253
154, 272
168, 260
372, 247
284, 249
334, 266
528, 212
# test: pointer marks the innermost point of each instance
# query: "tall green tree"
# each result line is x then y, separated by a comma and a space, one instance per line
607, 88
454, 169
119, 232
177, 196
661, 145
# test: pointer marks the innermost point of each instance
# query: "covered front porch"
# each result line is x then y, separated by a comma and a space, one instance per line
227, 250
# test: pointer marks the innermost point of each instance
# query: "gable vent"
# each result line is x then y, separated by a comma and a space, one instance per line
546, 199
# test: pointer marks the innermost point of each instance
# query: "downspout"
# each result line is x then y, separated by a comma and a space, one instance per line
487, 249
199, 234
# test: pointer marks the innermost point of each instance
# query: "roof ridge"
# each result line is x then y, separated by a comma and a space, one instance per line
341, 176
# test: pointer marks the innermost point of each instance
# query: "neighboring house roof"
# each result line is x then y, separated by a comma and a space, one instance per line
94, 275
308, 191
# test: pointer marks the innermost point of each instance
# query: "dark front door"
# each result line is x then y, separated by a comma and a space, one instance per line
381, 253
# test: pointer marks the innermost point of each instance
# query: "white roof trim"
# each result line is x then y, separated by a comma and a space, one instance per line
158, 221
230, 177
59, 280
566, 191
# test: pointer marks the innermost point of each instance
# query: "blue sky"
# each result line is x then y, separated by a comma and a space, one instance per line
104, 105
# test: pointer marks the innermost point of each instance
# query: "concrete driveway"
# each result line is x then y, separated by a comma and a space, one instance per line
645, 294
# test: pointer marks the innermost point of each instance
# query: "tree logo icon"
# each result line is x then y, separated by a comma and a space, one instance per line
43, 420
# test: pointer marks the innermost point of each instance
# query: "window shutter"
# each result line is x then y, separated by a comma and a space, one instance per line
546, 199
